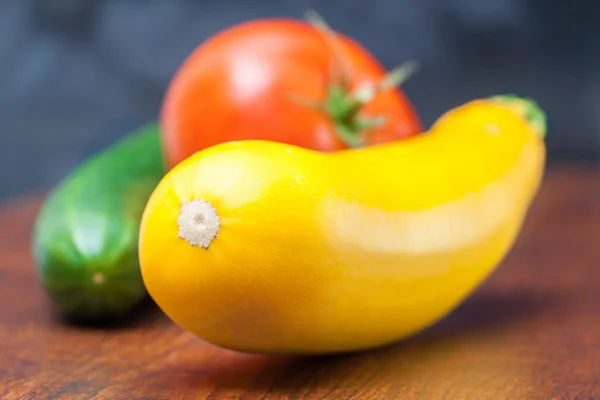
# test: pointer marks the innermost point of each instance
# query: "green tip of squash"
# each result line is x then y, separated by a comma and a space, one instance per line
528, 109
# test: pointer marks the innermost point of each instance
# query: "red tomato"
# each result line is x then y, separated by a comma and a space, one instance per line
244, 83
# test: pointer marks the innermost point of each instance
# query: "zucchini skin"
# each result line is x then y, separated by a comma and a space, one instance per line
85, 239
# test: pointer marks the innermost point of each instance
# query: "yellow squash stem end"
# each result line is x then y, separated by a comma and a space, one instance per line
526, 108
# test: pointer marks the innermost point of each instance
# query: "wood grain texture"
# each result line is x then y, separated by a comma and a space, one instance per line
532, 331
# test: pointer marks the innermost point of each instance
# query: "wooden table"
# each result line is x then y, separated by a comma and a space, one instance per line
532, 331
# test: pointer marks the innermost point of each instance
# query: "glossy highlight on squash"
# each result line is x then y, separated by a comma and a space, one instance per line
266, 247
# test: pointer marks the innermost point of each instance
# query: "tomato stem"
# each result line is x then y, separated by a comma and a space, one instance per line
332, 42
394, 78
306, 101
343, 106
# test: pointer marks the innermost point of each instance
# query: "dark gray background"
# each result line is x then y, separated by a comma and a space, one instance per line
77, 74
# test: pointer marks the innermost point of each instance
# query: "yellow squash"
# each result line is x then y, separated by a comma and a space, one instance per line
269, 248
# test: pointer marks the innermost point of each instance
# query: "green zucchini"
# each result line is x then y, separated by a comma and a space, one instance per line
86, 235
